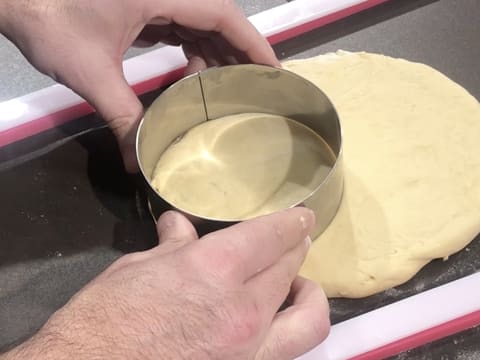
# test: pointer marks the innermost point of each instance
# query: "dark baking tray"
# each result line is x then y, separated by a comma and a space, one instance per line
68, 208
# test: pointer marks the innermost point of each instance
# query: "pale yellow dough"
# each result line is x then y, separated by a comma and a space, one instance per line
412, 171
242, 166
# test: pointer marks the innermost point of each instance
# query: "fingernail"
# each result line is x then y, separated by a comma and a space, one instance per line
308, 241
169, 218
303, 221
307, 221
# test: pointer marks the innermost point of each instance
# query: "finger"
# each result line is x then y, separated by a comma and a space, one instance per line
231, 55
300, 327
172, 40
153, 34
174, 231
224, 17
185, 34
195, 58
205, 50
209, 53
271, 286
195, 64
105, 88
200, 33
247, 248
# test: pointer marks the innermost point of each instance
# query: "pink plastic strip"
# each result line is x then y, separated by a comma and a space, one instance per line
405, 324
423, 337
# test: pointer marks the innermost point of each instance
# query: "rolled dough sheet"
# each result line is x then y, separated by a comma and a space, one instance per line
241, 166
412, 171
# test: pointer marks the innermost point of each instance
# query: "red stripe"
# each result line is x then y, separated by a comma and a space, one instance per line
435, 333
314, 24
158, 82
51, 120
44, 123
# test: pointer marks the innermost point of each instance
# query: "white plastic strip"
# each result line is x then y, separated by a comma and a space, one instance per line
400, 320
298, 12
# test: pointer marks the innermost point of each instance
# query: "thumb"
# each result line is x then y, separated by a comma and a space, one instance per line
174, 231
104, 86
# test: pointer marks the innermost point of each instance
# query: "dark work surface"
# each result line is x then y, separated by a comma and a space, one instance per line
69, 211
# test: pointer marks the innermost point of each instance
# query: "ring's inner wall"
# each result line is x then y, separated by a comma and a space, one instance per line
241, 166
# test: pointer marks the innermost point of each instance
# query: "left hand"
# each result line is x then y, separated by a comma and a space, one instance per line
81, 45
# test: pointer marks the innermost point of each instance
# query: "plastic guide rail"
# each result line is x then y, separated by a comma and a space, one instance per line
383, 332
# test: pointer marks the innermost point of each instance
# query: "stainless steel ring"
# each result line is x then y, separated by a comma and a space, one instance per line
236, 89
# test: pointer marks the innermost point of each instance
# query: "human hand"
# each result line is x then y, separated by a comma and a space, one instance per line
213, 298
81, 44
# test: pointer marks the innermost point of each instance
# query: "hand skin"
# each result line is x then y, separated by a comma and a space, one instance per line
213, 298
81, 45
188, 298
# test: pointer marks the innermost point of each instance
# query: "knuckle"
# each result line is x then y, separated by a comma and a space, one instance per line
123, 120
278, 233
243, 323
125, 115
127, 260
225, 257
194, 260
320, 329
320, 321
203, 261
172, 242
221, 261
225, 10
123, 262
276, 290
282, 284
226, 4
167, 219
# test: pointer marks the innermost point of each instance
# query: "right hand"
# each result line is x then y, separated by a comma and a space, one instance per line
211, 298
